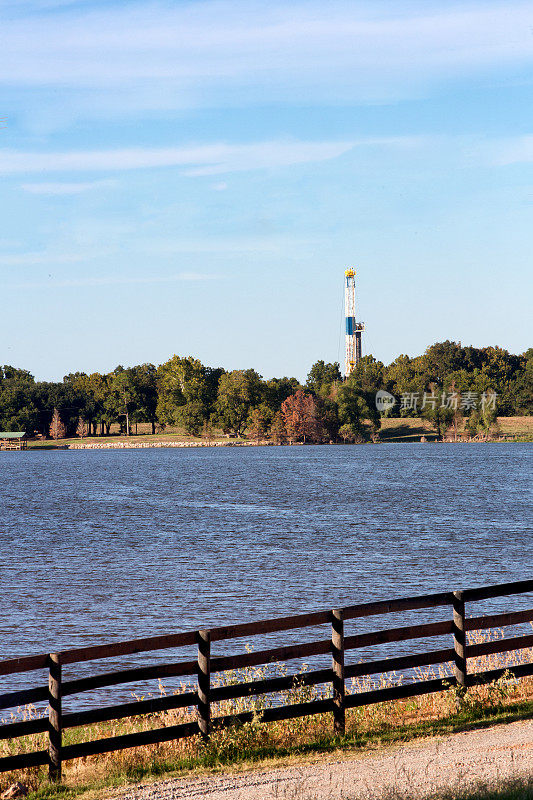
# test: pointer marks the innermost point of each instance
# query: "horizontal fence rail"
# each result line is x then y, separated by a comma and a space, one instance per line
207, 692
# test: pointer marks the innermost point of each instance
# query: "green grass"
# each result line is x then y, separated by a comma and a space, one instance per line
405, 430
48, 444
410, 429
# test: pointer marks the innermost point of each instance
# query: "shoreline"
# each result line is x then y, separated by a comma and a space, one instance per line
394, 430
171, 444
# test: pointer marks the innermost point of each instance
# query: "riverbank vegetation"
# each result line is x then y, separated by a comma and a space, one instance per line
505, 700
450, 386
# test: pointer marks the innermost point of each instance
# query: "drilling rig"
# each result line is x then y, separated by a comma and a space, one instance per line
354, 329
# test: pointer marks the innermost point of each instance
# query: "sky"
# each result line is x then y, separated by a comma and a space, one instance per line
194, 178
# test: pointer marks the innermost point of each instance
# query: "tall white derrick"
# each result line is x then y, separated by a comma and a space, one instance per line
354, 329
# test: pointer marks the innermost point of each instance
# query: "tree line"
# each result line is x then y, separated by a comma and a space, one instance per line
184, 392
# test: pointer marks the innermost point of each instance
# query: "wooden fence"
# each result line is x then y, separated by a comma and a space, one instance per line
457, 625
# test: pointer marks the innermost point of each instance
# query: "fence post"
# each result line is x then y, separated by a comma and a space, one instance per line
204, 683
459, 635
337, 651
54, 717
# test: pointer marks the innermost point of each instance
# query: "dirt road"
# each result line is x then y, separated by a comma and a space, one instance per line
417, 768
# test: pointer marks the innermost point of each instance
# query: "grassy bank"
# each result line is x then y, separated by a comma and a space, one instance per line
393, 429
251, 747
411, 429
50, 444
285, 741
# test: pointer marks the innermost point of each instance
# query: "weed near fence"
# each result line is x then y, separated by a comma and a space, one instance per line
244, 704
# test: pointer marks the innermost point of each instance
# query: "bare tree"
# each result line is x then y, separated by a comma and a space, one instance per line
57, 429
81, 430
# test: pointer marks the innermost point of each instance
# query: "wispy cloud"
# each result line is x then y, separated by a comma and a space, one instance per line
274, 243
66, 188
110, 280
162, 249
224, 53
513, 150
201, 160
36, 259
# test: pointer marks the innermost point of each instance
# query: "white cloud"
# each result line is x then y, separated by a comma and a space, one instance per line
65, 188
221, 52
201, 160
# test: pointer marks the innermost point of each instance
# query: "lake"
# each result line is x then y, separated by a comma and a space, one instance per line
106, 545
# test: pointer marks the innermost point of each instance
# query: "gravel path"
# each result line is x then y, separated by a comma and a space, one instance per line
417, 768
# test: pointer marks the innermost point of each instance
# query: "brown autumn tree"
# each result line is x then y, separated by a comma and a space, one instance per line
300, 417
81, 430
57, 429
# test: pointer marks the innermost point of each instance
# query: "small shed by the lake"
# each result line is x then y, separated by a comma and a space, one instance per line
13, 440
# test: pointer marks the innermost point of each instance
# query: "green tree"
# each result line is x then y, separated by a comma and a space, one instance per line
327, 413
368, 375
13, 376
85, 404
122, 401
238, 392
441, 359
98, 388
483, 420
522, 387
278, 432
499, 372
404, 376
19, 410
144, 382
185, 393
438, 410
346, 432
357, 409
276, 390
258, 423
322, 376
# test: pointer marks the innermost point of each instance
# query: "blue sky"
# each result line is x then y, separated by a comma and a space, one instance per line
194, 177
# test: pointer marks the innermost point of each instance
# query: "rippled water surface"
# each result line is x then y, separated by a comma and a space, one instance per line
107, 545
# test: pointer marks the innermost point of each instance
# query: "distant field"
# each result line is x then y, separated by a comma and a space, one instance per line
410, 429
405, 429
172, 435
517, 426
393, 429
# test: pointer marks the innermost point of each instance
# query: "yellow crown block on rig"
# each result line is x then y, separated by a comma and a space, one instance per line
349, 273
